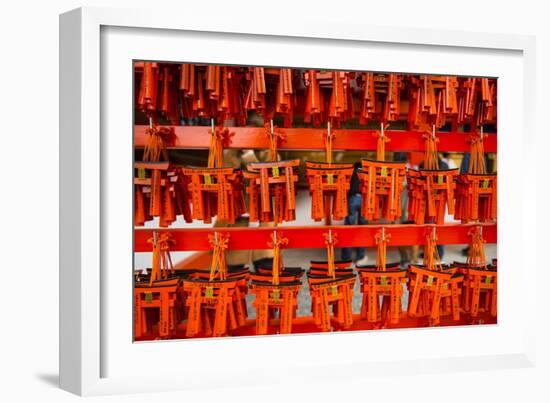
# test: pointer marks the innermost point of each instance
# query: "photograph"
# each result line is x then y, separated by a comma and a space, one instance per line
232, 202
275, 200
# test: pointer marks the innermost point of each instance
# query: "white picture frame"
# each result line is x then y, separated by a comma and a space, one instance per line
85, 195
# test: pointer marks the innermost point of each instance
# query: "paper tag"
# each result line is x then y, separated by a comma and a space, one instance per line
487, 279
485, 183
209, 292
141, 173
207, 179
430, 280
275, 295
384, 171
334, 290
148, 297
330, 179
383, 280
440, 179
275, 171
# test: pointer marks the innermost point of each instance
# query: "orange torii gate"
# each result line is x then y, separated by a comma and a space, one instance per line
431, 190
163, 296
211, 301
328, 184
477, 189
434, 288
382, 280
239, 273
272, 190
276, 292
477, 197
330, 286
381, 183
271, 185
158, 290
480, 282
159, 188
216, 190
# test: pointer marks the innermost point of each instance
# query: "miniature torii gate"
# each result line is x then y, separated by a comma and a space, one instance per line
159, 188
431, 190
272, 190
273, 295
328, 184
272, 193
480, 283
216, 190
217, 294
477, 190
382, 280
434, 289
160, 291
162, 295
333, 288
381, 184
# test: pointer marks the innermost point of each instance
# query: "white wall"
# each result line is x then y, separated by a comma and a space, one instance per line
28, 199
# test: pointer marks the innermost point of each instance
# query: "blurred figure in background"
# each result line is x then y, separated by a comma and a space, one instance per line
354, 216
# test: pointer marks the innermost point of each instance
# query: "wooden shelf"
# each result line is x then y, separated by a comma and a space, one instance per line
306, 324
197, 137
196, 239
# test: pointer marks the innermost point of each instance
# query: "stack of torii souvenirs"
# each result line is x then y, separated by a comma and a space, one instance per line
331, 289
381, 184
210, 90
381, 97
431, 190
276, 289
319, 106
158, 289
215, 298
272, 185
434, 288
215, 190
383, 281
480, 279
159, 188
477, 189
176, 91
437, 290
329, 184
212, 302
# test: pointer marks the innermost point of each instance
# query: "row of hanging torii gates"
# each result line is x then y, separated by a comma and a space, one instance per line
212, 302
172, 303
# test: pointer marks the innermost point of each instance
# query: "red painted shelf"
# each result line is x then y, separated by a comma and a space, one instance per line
196, 239
197, 137
306, 324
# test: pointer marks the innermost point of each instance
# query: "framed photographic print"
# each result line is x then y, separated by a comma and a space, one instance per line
235, 201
